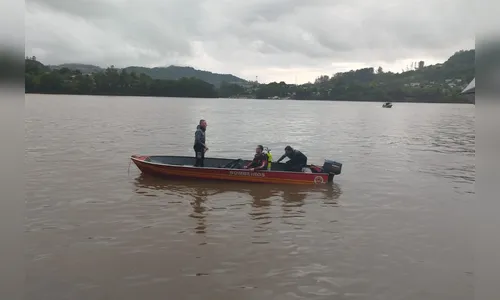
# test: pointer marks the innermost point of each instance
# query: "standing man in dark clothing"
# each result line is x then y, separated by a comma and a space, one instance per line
297, 159
259, 162
199, 144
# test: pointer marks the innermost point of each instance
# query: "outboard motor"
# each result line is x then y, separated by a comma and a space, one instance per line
332, 168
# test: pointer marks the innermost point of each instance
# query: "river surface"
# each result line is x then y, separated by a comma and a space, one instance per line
395, 225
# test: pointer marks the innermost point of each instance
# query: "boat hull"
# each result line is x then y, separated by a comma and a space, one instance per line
146, 166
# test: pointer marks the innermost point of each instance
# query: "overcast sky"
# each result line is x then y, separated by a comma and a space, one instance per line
290, 40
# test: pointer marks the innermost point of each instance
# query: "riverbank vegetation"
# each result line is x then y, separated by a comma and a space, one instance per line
417, 83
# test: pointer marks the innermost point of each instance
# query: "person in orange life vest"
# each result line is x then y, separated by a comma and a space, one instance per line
259, 162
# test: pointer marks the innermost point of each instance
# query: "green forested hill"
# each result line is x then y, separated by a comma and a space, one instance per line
164, 73
418, 83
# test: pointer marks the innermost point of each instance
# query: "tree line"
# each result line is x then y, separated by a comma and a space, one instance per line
418, 83
41, 79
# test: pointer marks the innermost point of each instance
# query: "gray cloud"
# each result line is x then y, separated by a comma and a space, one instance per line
254, 37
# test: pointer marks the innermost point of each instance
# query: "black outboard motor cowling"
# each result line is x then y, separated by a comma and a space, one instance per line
332, 167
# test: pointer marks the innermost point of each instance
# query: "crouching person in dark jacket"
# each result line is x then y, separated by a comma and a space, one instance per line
297, 160
199, 144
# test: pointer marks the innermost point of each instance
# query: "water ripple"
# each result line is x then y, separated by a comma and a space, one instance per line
395, 225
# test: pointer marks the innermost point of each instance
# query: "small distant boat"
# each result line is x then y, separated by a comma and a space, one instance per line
387, 105
231, 170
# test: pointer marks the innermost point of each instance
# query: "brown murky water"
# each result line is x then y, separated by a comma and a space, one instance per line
395, 225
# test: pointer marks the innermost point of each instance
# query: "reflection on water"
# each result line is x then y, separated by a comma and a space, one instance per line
199, 211
329, 193
261, 198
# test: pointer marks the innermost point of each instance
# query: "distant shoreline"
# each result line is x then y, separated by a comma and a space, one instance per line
236, 99
438, 83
